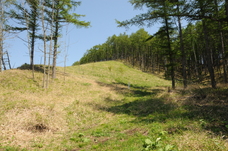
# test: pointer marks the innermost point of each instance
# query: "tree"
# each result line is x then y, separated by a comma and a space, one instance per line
157, 10
3, 26
45, 78
1, 32
28, 18
208, 53
179, 3
62, 14
34, 15
221, 37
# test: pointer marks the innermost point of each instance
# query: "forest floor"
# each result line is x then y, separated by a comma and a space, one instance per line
109, 106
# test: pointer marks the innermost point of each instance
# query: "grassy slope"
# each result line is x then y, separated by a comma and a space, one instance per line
104, 106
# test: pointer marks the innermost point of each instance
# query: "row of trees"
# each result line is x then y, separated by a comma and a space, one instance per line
43, 20
192, 52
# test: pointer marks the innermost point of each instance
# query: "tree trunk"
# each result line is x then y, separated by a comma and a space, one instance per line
32, 48
208, 53
45, 47
34, 11
196, 63
1, 33
55, 46
1, 49
224, 61
182, 51
226, 8
170, 54
208, 56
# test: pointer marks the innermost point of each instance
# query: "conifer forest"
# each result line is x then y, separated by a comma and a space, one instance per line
190, 46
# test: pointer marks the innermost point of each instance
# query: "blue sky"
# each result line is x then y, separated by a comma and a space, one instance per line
101, 14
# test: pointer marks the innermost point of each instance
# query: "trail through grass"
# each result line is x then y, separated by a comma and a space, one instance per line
107, 106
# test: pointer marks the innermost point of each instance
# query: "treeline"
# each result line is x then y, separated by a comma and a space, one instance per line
195, 52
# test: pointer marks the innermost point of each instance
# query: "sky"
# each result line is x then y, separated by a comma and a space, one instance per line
76, 41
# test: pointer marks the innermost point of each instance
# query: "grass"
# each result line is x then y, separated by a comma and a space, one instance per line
108, 106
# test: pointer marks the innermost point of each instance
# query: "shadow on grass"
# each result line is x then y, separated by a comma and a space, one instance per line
145, 104
143, 107
211, 117
131, 85
134, 91
208, 107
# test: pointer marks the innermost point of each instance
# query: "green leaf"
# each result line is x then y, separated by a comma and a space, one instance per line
168, 147
80, 135
148, 142
86, 140
163, 133
158, 139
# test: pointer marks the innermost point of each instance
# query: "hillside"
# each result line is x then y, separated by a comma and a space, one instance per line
108, 106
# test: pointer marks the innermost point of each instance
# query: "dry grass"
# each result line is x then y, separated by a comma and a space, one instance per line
30, 113
98, 106
200, 141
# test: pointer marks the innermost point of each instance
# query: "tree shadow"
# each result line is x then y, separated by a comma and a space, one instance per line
146, 102
134, 91
143, 107
211, 107
212, 117
207, 106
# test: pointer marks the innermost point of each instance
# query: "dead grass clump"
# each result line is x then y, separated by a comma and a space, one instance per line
23, 126
38, 128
